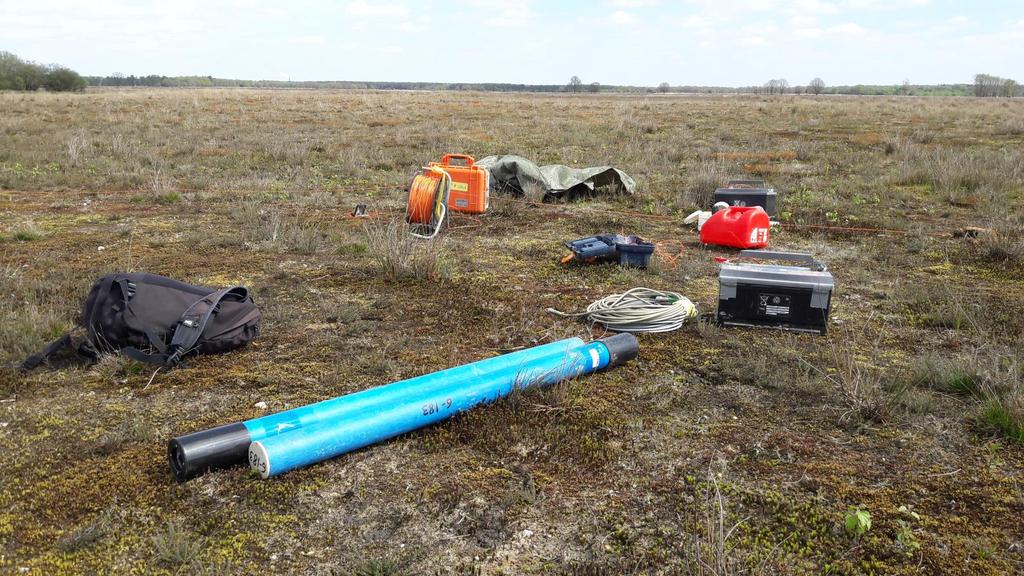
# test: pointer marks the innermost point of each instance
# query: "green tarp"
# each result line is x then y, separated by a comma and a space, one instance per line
521, 177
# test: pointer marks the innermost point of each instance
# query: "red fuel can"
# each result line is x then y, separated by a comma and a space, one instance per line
737, 227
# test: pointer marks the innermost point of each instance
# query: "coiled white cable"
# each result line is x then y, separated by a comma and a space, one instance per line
638, 310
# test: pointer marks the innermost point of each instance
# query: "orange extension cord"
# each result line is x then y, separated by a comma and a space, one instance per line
421, 199
428, 199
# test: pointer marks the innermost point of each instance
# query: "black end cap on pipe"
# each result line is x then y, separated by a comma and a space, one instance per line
192, 454
622, 348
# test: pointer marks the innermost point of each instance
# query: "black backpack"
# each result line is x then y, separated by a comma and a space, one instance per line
158, 320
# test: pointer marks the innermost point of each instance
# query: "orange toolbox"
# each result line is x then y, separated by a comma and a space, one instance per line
470, 190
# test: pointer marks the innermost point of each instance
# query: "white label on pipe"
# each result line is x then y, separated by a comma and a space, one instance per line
259, 460
595, 358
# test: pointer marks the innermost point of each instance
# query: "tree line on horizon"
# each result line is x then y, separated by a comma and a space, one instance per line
18, 74
985, 86
816, 86
771, 87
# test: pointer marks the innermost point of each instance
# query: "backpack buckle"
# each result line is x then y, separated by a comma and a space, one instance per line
175, 356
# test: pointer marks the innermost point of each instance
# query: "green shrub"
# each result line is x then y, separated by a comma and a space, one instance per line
399, 254
959, 374
264, 227
1005, 243
61, 79
1002, 394
176, 546
27, 232
87, 534
382, 567
1005, 415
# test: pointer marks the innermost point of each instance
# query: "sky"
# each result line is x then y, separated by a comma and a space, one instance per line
633, 42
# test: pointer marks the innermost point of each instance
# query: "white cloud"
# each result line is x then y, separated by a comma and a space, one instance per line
128, 26
505, 14
886, 4
814, 7
734, 7
366, 9
807, 32
806, 27
753, 41
954, 24
622, 18
634, 3
311, 40
803, 22
847, 30
760, 28
417, 24
695, 22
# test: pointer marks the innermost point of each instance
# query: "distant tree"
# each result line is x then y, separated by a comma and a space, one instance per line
18, 74
575, 84
61, 79
1010, 88
664, 87
35, 76
594, 87
981, 85
904, 89
817, 86
987, 86
10, 72
778, 86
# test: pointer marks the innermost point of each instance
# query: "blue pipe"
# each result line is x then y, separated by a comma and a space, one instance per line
298, 448
227, 445
342, 406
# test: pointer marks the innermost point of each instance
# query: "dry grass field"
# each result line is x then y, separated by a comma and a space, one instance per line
719, 451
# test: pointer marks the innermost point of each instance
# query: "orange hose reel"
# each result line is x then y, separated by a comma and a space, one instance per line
427, 203
422, 193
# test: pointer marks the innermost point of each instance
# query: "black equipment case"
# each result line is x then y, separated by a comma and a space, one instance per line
790, 297
748, 193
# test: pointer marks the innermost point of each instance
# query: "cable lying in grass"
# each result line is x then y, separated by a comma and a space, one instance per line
638, 310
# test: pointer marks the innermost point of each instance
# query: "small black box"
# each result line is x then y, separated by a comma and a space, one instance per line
748, 193
788, 297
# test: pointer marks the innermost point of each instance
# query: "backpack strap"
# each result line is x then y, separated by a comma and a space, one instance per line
85, 350
189, 328
52, 348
